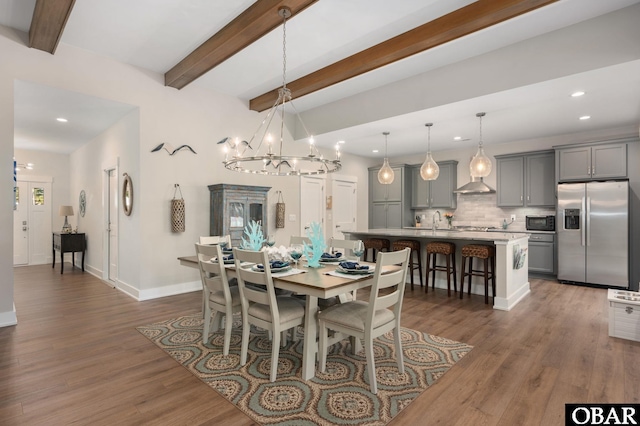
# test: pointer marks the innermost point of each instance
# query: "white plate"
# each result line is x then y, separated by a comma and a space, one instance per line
330, 260
354, 271
273, 270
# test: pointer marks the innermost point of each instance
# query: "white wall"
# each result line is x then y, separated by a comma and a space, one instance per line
193, 115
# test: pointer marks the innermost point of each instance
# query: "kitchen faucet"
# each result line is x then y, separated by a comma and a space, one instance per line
434, 224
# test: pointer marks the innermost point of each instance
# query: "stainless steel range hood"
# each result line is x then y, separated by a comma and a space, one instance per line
475, 187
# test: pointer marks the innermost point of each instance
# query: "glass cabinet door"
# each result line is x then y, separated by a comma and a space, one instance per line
255, 212
236, 215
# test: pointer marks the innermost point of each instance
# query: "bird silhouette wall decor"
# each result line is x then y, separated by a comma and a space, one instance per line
169, 148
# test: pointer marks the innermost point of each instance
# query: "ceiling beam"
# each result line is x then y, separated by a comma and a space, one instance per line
48, 22
252, 24
474, 17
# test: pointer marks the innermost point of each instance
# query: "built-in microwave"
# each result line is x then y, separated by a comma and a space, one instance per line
541, 223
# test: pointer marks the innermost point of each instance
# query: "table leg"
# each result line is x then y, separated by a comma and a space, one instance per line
83, 260
310, 347
53, 252
61, 261
73, 259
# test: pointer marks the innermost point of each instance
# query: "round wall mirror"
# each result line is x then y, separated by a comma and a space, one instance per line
127, 195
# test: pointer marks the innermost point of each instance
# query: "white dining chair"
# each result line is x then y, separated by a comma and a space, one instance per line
215, 239
345, 246
261, 307
295, 239
368, 320
219, 298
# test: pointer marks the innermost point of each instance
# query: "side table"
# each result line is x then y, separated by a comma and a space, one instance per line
68, 243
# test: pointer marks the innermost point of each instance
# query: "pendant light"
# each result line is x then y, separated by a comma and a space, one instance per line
480, 164
429, 169
385, 175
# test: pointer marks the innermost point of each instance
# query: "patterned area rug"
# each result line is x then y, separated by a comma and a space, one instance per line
341, 396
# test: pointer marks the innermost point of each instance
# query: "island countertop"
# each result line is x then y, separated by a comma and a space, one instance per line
445, 234
511, 277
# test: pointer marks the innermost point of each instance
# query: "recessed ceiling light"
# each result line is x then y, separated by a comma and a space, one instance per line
577, 94
62, 120
375, 151
457, 138
585, 117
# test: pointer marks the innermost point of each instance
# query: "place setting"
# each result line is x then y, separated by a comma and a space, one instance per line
352, 270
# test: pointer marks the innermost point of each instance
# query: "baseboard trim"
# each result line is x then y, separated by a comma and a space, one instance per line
506, 304
8, 318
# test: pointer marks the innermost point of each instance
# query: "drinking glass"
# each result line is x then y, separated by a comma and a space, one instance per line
222, 244
296, 253
358, 249
271, 240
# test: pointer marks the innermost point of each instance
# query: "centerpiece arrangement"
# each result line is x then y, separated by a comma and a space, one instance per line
449, 217
256, 239
314, 251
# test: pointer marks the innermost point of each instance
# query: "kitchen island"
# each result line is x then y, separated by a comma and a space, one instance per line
512, 284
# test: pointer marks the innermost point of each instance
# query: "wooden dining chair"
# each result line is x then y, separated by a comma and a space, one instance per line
261, 307
368, 320
346, 246
219, 298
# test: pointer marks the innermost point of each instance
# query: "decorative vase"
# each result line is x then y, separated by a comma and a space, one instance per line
449, 222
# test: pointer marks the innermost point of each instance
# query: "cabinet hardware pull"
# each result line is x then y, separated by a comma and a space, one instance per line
629, 310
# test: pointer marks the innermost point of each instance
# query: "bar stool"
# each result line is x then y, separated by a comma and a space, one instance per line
375, 244
488, 255
414, 245
449, 251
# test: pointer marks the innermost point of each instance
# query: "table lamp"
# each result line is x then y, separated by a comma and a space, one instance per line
66, 211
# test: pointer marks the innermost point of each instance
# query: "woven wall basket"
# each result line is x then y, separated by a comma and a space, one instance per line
280, 211
177, 212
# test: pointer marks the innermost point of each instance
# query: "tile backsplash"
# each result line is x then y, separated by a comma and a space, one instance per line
481, 210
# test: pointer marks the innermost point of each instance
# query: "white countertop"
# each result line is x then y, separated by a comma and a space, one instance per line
444, 234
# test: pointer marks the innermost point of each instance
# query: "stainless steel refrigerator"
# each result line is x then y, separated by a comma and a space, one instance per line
593, 233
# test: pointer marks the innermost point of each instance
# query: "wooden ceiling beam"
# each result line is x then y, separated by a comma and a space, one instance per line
252, 24
461, 22
48, 22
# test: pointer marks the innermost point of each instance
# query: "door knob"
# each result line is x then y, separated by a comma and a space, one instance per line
24, 228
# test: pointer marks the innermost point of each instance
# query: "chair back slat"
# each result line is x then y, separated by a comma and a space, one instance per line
335, 243
215, 239
294, 239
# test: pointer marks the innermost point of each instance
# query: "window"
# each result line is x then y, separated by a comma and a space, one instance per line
38, 196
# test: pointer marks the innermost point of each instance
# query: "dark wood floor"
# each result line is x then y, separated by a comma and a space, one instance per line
75, 357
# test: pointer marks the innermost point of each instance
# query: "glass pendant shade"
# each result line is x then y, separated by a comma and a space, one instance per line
429, 169
480, 165
385, 174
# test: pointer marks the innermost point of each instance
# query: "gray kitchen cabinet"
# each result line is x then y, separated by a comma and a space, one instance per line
592, 161
542, 253
526, 180
384, 193
389, 204
436, 193
232, 207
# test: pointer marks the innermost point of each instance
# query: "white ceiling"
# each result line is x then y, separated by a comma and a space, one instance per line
325, 32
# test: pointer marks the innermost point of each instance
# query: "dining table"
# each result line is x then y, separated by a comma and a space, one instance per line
324, 282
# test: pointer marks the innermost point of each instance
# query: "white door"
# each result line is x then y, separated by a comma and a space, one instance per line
21, 225
112, 225
312, 205
40, 220
32, 223
344, 204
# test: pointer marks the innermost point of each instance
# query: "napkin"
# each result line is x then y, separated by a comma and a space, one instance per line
331, 256
274, 264
353, 265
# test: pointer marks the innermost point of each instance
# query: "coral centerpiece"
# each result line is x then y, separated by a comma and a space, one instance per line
314, 251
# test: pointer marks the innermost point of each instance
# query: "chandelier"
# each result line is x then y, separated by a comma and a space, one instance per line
480, 165
385, 174
265, 156
429, 169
